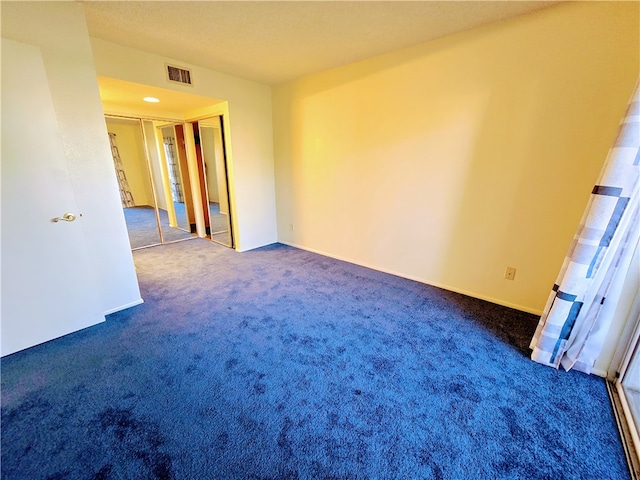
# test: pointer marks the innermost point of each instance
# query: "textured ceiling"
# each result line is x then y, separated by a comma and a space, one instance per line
273, 42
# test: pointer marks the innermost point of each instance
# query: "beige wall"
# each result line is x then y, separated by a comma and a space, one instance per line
131, 148
59, 30
448, 161
248, 131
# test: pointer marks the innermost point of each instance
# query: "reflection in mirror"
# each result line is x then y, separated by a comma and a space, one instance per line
210, 148
134, 180
165, 161
178, 175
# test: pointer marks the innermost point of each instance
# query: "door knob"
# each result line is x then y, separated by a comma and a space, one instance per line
67, 217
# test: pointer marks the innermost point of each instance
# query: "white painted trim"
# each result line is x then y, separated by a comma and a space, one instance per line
627, 342
420, 280
630, 452
599, 372
124, 307
632, 429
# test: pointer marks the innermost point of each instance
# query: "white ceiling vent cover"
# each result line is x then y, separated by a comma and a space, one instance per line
178, 75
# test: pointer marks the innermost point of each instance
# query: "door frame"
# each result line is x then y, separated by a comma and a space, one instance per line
629, 430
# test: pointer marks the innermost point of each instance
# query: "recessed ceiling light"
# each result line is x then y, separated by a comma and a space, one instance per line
151, 99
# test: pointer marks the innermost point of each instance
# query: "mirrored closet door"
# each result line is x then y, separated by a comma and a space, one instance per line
150, 162
175, 203
214, 181
173, 179
134, 181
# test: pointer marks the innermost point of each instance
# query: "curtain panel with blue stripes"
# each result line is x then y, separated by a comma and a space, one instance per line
578, 313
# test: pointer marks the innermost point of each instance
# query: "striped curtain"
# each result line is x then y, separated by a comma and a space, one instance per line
578, 313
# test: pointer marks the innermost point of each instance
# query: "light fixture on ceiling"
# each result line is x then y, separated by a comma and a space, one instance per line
151, 99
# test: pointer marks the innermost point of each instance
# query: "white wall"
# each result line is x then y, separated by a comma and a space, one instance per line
250, 137
449, 161
59, 29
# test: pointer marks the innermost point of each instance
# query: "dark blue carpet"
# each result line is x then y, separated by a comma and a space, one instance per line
142, 226
282, 364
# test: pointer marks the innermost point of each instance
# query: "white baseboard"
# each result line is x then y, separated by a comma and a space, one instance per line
124, 307
468, 293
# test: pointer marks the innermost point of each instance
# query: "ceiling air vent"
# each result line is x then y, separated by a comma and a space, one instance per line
179, 75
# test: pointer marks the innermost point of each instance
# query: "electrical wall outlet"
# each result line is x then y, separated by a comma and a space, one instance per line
291, 227
510, 273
